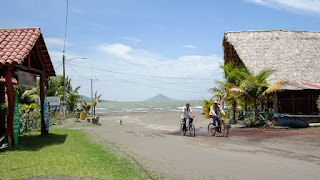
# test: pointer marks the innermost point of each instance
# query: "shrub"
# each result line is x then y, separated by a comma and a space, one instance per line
30, 117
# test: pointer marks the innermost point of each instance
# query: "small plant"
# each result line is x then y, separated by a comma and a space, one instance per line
86, 107
249, 122
207, 104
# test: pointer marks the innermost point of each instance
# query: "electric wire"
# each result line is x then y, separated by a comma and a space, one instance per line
141, 75
118, 80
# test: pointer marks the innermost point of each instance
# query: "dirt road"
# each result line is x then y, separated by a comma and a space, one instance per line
154, 141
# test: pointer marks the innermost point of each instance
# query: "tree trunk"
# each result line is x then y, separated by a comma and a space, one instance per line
245, 106
94, 109
234, 106
256, 112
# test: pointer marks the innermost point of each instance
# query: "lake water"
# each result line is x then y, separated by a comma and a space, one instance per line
144, 106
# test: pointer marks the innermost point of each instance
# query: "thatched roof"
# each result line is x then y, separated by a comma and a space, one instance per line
295, 55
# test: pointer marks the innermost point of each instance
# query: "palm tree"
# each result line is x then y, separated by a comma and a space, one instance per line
73, 98
233, 76
219, 91
95, 101
31, 95
255, 89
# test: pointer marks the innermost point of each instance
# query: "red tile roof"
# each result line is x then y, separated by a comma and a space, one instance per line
16, 44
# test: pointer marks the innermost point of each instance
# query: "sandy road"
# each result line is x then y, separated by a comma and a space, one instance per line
153, 140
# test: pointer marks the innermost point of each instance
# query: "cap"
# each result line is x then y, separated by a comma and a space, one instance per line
215, 102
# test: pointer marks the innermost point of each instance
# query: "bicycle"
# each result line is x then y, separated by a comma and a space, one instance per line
223, 129
190, 128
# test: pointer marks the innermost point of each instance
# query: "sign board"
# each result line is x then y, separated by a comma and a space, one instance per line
16, 124
46, 113
53, 101
26, 78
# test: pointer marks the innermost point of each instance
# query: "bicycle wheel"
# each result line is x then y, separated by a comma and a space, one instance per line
192, 130
222, 130
211, 129
183, 129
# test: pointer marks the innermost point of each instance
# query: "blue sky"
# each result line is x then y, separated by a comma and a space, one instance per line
136, 49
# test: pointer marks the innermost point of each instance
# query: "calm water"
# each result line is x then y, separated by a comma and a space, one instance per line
163, 106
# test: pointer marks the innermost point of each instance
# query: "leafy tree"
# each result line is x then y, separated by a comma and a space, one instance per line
233, 76
255, 89
95, 101
73, 98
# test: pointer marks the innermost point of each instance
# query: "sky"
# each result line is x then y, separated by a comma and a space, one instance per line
135, 49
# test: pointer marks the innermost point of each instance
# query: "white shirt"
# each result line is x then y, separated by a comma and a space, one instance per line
186, 112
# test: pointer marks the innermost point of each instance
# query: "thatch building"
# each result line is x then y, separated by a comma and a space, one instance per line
295, 55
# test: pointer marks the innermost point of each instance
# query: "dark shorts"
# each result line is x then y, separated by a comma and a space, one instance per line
190, 120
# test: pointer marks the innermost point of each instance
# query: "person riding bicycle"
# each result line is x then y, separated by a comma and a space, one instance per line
185, 114
215, 110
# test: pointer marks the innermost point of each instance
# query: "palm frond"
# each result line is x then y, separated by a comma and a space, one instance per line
274, 88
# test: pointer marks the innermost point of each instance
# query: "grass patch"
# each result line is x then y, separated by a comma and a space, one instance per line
64, 152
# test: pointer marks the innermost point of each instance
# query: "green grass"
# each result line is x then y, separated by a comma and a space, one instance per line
65, 152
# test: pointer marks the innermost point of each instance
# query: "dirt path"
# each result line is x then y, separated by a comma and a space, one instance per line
153, 140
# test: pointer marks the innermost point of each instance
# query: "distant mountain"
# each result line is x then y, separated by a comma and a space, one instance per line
160, 97
88, 99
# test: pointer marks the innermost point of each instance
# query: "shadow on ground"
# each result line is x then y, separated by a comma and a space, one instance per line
34, 142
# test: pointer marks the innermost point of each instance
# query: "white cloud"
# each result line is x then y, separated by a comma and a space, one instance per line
124, 52
55, 42
146, 62
189, 46
297, 6
135, 40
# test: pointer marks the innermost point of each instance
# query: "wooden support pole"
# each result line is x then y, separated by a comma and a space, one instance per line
42, 94
10, 94
2, 115
275, 103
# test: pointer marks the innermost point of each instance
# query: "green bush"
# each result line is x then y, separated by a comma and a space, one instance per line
206, 104
249, 122
30, 117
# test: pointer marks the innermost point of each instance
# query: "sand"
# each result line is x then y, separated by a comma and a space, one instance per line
153, 140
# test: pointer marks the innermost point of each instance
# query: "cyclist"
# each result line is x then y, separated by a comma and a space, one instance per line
185, 114
215, 110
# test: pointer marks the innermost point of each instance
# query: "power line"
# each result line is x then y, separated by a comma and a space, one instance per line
141, 75
146, 85
78, 74
126, 81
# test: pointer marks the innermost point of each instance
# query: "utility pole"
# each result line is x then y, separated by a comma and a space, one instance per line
64, 85
91, 97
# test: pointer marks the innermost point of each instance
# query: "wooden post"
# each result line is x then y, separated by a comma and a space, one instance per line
10, 93
42, 94
2, 115
275, 103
